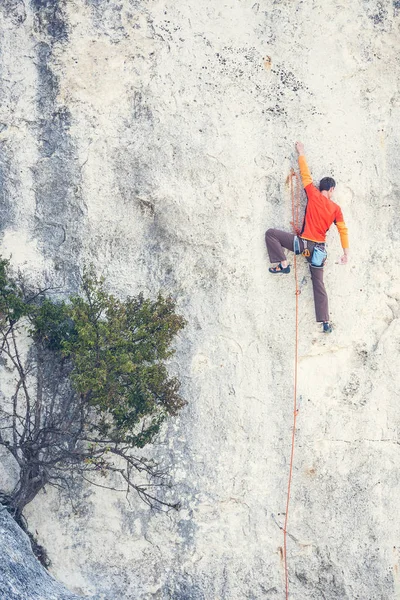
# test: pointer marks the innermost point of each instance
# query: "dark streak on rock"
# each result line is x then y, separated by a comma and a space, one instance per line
9, 9
6, 205
57, 177
49, 19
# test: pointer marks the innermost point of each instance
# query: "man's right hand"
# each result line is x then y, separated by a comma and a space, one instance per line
300, 148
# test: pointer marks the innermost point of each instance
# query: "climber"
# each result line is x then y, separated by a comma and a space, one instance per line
320, 213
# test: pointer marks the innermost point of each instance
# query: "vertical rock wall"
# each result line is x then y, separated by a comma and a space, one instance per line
154, 139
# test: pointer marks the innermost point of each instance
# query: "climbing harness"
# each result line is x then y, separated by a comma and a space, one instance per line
295, 195
319, 253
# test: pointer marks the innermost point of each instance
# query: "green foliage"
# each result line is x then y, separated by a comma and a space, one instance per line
52, 324
117, 349
51, 320
13, 305
118, 354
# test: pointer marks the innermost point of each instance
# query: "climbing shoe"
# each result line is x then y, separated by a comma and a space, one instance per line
279, 269
326, 327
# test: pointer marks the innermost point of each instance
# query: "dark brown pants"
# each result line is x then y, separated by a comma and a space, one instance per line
276, 240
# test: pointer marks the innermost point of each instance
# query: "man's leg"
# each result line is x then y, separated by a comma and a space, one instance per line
320, 295
276, 240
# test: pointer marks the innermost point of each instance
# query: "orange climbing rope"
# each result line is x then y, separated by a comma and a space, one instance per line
295, 195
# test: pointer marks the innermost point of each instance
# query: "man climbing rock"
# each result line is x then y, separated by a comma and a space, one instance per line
320, 213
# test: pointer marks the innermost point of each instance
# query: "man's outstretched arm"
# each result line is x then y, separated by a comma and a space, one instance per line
304, 170
344, 237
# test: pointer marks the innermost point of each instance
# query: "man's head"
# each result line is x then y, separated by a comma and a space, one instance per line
327, 184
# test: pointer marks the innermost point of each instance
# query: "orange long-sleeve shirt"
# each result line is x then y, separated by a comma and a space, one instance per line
320, 211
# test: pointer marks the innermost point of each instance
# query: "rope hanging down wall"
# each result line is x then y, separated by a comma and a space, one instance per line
295, 196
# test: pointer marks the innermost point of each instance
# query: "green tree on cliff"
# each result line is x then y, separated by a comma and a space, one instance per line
90, 390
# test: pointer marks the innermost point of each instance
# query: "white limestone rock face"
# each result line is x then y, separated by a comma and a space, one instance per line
154, 139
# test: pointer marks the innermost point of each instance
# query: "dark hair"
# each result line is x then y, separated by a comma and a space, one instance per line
326, 184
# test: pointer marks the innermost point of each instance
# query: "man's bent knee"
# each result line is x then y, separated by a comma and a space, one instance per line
270, 233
